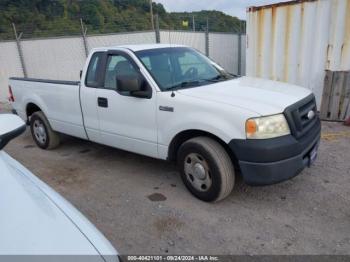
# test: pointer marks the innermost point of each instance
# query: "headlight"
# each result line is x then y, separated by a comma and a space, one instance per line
267, 127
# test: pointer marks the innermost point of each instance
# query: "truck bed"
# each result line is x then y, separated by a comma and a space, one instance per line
58, 99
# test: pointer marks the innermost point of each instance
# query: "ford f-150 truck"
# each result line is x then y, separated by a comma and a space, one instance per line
172, 102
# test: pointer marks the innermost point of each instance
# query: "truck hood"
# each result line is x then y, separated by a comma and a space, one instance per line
31, 223
262, 96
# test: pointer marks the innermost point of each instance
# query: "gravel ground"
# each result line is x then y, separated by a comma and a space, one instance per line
142, 207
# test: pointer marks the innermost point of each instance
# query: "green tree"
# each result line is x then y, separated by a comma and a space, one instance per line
62, 17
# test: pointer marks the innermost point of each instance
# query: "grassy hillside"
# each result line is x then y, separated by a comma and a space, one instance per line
62, 17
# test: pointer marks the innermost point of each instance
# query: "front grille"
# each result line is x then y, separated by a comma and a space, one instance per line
297, 116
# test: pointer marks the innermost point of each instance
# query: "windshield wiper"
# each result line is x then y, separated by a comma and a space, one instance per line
183, 85
223, 77
217, 78
234, 75
198, 82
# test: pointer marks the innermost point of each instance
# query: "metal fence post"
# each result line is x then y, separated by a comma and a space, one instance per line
19, 48
151, 12
239, 67
157, 32
207, 38
83, 33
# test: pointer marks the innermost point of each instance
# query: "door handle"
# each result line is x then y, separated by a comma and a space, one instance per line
102, 102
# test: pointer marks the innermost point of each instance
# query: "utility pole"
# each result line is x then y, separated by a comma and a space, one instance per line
207, 38
157, 29
239, 67
193, 24
151, 10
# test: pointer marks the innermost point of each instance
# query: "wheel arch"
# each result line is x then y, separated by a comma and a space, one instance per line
31, 108
185, 135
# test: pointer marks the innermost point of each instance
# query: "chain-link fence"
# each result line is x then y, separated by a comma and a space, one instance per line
62, 57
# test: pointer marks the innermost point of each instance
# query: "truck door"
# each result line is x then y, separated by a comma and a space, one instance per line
126, 122
89, 83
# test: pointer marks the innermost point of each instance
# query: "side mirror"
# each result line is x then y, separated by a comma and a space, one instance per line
129, 83
11, 126
133, 84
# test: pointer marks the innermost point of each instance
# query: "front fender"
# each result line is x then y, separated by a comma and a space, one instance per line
213, 125
223, 121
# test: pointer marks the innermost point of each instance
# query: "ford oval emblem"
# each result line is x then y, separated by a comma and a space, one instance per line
311, 114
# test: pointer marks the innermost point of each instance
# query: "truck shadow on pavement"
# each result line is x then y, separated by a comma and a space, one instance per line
105, 159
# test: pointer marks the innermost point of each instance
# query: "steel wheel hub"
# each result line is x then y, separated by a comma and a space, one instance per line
197, 172
39, 131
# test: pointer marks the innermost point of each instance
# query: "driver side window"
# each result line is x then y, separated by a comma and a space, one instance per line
117, 65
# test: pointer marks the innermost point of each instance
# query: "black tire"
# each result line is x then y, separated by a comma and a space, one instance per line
52, 138
220, 171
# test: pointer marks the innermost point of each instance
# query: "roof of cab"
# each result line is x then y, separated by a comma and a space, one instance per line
139, 47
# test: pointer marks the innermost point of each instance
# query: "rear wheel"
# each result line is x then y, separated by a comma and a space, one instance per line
206, 169
42, 132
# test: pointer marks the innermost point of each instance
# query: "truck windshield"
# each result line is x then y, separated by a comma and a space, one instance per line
181, 67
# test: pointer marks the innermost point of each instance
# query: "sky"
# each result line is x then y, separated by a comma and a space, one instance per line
231, 7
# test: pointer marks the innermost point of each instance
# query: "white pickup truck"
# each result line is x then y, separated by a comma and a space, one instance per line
171, 102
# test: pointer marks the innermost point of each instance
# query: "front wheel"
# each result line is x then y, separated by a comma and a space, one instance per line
206, 169
42, 132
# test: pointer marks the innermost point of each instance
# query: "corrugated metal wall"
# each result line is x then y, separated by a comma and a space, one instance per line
297, 41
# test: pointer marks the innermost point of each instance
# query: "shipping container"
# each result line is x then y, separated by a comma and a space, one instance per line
298, 41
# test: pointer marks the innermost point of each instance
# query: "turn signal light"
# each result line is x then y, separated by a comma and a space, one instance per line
250, 126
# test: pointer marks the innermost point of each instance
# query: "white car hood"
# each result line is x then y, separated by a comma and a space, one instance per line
264, 97
31, 223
